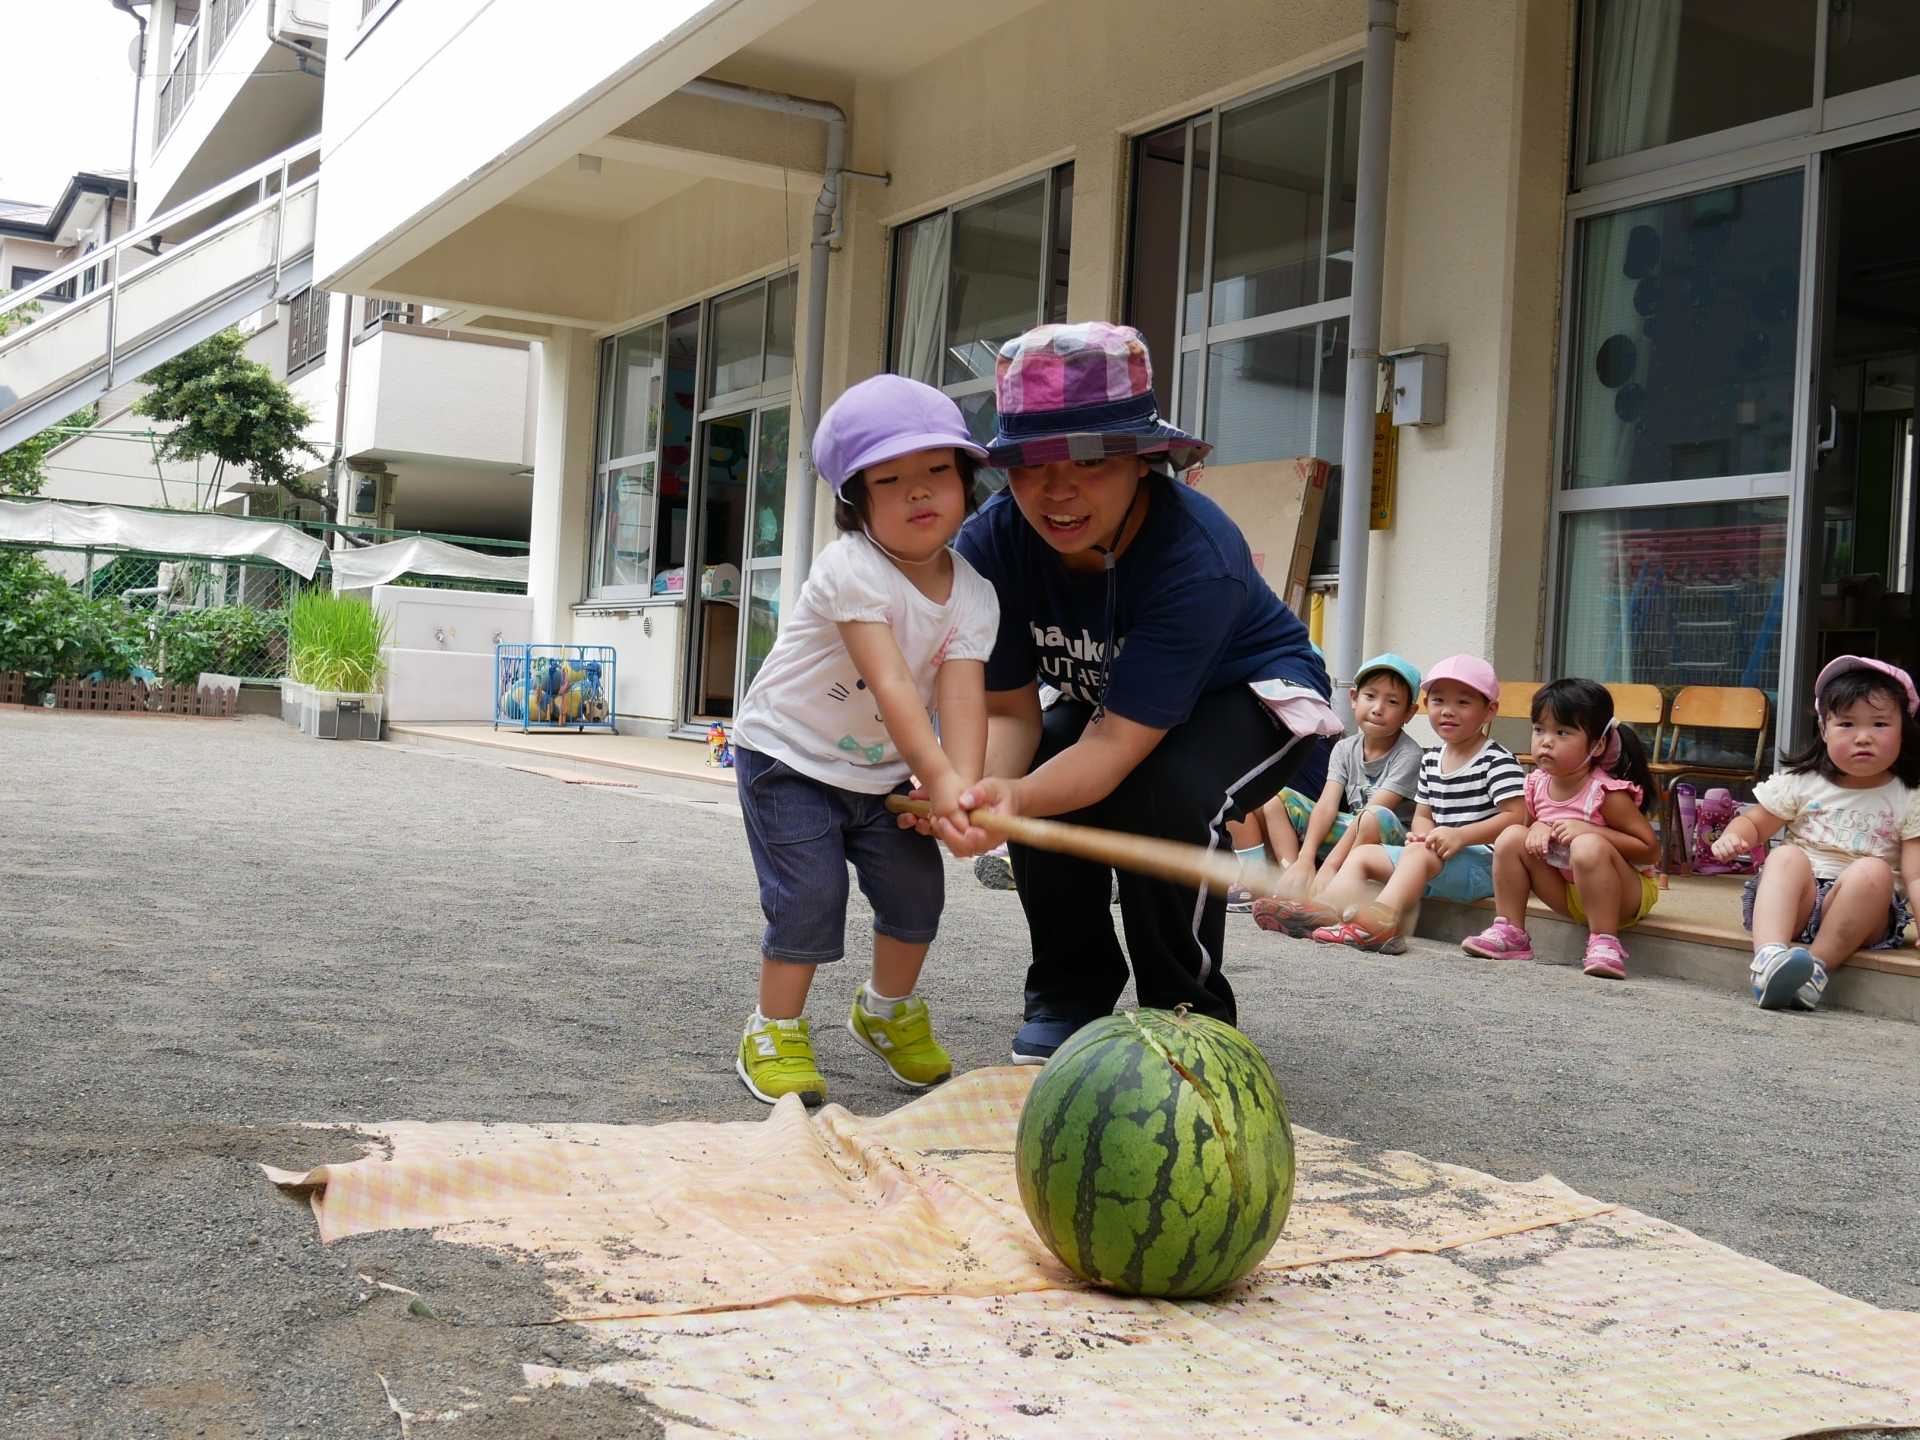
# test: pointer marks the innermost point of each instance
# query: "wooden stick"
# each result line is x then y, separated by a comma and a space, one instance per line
1184, 864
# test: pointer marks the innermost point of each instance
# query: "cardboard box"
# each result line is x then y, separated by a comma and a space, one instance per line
1276, 504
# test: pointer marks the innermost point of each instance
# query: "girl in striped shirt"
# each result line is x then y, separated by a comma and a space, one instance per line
1470, 790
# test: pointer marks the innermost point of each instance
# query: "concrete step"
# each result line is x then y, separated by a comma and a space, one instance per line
1695, 941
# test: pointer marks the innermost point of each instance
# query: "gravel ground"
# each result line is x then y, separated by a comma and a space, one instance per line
214, 932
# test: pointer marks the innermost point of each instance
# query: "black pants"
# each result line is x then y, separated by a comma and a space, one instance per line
1228, 759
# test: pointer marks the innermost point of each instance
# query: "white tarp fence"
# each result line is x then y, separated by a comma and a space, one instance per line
103, 527
377, 564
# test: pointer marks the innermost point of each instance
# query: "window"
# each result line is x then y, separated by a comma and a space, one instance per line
24, 276
655, 382
1670, 70
1240, 274
306, 330
1684, 340
969, 279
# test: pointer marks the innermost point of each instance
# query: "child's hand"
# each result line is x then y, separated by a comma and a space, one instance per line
1443, 841
1565, 830
947, 814
1539, 838
1727, 845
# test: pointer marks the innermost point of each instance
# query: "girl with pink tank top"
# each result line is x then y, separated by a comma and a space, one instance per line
1588, 850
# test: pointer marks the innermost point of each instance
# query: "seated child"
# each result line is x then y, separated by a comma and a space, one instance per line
1470, 789
1589, 851
1850, 804
1367, 798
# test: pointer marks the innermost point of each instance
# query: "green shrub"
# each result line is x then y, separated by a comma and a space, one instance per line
224, 639
335, 642
49, 630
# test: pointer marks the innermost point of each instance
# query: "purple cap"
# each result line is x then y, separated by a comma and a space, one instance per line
1839, 665
882, 419
1470, 670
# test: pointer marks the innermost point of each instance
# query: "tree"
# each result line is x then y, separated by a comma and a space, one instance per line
23, 469
231, 408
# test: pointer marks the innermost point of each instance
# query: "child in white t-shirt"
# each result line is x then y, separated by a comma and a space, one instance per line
891, 629
1850, 804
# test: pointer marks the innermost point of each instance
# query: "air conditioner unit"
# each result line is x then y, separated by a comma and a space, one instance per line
302, 20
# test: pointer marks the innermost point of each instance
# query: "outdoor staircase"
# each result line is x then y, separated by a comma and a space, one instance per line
223, 255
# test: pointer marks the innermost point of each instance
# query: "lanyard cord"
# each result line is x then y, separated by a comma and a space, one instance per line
1110, 560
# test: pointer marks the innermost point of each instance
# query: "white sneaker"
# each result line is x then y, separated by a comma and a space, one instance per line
1807, 997
1779, 972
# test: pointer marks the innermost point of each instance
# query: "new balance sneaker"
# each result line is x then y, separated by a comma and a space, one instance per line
1373, 935
1779, 972
1606, 957
776, 1058
1807, 997
904, 1040
1502, 940
1040, 1036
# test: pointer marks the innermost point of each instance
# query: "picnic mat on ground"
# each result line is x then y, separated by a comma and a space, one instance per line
833, 1272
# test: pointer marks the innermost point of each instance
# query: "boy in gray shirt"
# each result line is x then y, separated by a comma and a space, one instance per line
1368, 797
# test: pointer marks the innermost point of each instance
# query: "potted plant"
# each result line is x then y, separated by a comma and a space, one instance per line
335, 665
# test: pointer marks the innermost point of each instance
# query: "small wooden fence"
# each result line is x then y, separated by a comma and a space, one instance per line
126, 696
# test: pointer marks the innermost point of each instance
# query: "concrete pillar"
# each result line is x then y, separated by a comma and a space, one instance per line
562, 482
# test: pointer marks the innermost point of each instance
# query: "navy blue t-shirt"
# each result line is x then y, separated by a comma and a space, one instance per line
1192, 615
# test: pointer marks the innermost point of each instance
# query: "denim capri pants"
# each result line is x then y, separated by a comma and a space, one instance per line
804, 833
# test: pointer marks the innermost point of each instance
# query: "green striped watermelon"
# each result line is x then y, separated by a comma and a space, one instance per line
1154, 1154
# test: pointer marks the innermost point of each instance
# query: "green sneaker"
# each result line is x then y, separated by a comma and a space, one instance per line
905, 1042
776, 1058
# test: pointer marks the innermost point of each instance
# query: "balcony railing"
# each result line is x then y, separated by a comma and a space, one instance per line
399, 311
178, 88
208, 37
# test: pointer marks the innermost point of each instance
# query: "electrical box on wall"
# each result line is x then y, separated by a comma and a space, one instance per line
1419, 384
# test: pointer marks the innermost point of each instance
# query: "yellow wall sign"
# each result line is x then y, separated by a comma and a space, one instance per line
1386, 464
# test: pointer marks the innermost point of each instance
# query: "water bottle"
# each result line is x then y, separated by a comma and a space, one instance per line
1684, 808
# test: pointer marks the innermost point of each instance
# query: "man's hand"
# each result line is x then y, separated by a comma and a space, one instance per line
1539, 838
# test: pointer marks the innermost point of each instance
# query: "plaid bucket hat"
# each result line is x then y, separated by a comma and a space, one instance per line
1081, 392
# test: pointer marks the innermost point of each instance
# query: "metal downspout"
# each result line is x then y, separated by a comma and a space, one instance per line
1363, 339
304, 56
799, 546
133, 141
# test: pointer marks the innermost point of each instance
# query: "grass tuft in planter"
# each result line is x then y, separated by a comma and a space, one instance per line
334, 643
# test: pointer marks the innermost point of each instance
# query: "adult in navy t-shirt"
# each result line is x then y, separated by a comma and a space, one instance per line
1136, 599
1192, 615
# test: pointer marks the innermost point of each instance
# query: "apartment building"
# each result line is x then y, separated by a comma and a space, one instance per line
416, 425
38, 239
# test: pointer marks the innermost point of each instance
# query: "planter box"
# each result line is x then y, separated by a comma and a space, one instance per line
331, 714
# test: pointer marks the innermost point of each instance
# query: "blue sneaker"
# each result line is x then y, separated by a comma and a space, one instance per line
1778, 973
1807, 997
1041, 1036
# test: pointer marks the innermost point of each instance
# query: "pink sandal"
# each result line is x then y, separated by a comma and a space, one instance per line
1298, 918
1363, 937
1606, 957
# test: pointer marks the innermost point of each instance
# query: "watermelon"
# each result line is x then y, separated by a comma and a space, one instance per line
1154, 1154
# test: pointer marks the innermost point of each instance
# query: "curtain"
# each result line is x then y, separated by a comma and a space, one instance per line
924, 323
1636, 59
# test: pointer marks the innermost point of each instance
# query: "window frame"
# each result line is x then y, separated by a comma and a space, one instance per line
1049, 179
1191, 348
766, 393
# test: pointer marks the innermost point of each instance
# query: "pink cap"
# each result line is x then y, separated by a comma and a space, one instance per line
1470, 670
1840, 664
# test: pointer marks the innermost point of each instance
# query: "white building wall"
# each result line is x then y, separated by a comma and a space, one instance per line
427, 395
462, 88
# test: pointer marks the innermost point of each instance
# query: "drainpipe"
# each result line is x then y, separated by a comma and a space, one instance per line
133, 141
800, 544
1363, 338
310, 62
